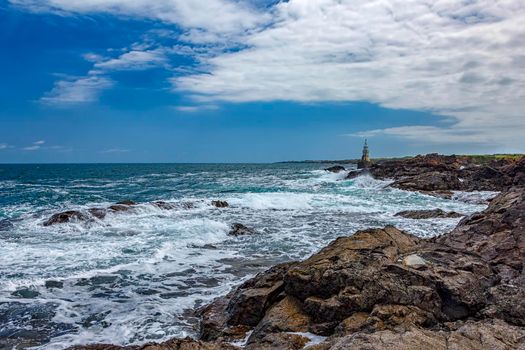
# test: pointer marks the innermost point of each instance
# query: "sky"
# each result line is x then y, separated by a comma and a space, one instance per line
259, 80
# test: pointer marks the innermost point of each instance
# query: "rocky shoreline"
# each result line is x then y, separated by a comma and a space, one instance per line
387, 289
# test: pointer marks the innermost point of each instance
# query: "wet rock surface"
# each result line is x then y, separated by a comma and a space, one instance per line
428, 214
220, 204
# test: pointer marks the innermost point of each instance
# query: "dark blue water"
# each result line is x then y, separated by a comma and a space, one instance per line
132, 276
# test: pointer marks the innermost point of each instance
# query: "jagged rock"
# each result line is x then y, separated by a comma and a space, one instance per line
285, 316
237, 229
335, 169
430, 181
220, 204
279, 341
245, 306
428, 214
497, 234
66, 216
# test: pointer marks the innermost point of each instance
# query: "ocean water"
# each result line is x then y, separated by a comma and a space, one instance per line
135, 276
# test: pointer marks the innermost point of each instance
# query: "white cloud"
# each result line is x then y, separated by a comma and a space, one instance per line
80, 90
461, 59
221, 16
3, 146
134, 60
35, 146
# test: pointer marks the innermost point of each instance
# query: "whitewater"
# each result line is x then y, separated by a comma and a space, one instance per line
136, 276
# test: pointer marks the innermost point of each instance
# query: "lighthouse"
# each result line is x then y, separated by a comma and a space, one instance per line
365, 158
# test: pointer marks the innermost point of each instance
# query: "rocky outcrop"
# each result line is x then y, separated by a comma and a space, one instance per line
438, 174
335, 169
428, 214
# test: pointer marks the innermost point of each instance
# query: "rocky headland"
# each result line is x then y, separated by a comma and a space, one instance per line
387, 289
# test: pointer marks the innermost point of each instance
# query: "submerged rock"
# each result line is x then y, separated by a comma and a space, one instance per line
220, 204
335, 169
428, 214
237, 229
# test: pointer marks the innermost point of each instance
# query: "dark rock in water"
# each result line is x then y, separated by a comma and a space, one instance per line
220, 204
353, 174
335, 169
237, 229
6, 225
127, 202
99, 213
66, 216
428, 214
54, 284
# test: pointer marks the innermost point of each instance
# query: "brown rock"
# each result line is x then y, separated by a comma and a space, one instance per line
220, 204
174, 344
428, 214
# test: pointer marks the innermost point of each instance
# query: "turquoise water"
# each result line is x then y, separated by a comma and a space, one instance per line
133, 277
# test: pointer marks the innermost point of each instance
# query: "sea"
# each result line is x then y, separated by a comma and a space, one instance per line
136, 276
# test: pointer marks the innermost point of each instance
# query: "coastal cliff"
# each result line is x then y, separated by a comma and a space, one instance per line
387, 289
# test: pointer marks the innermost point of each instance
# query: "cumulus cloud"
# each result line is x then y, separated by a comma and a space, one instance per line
461, 59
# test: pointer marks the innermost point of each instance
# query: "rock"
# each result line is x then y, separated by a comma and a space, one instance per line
430, 181
54, 284
285, 316
237, 229
244, 307
164, 205
99, 213
220, 204
279, 341
428, 214
335, 169
497, 234
66, 216
463, 336
127, 202
174, 344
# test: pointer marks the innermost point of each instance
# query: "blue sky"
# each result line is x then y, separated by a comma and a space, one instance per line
258, 81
